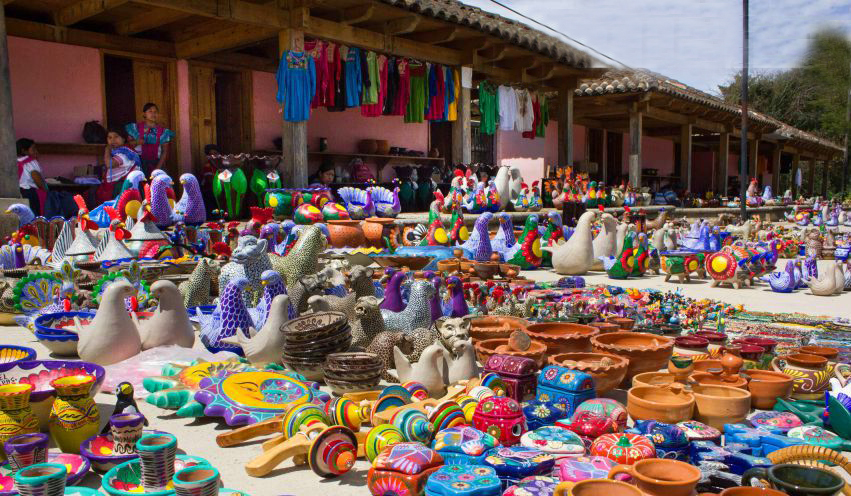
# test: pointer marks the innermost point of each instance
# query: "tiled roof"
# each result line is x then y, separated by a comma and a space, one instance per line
508, 30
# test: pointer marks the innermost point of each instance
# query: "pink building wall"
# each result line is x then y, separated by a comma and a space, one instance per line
52, 99
531, 156
267, 119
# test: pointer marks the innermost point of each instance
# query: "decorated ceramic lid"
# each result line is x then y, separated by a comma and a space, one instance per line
512, 366
84, 244
580, 468
698, 431
464, 440
780, 421
534, 485
625, 448
408, 458
816, 436
589, 424
554, 440
605, 407
499, 407
565, 379
663, 435
519, 461
464, 480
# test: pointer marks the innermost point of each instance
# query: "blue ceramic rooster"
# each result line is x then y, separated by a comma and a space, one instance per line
784, 281
504, 238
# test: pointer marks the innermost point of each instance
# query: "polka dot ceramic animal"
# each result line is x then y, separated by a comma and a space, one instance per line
382, 346
302, 258
366, 322
360, 285
229, 317
196, 289
418, 312
249, 260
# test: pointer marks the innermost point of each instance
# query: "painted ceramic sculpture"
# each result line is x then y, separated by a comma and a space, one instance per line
74, 416
576, 255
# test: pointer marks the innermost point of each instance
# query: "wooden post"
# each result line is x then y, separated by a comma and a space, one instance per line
775, 169
8, 155
825, 177
461, 134
294, 147
811, 174
796, 165
605, 158
565, 122
753, 157
723, 163
635, 146
685, 155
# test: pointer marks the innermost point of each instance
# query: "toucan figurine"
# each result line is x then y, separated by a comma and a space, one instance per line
124, 403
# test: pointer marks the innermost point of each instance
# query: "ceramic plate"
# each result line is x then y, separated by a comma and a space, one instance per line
39, 373
77, 467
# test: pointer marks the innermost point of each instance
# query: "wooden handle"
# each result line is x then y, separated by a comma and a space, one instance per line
266, 462
271, 443
242, 434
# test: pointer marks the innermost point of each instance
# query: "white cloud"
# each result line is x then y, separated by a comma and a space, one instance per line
698, 42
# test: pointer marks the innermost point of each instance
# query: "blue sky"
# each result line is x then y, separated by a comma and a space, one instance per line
695, 41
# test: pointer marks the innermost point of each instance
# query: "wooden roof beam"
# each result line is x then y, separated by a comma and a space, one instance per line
151, 20
357, 14
242, 61
519, 63
493, 53
622, 109
470, 44
83, 9
542, 72
230, 38
239, 11
435, 36
402, 25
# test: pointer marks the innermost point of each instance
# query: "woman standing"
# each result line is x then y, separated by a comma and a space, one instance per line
30, 180
152, 140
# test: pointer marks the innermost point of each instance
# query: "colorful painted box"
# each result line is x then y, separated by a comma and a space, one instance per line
518, 374
502, 418
402, 469
564, 387
513, 463
463, 480
463, 445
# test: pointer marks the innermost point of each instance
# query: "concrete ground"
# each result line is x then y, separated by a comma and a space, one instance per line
197, 437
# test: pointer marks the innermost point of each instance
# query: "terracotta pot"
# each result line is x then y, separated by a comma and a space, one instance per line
382, 147
680, 367
374, 230
716, 341
605, 327
719, 405
484, 349
493, 327
824, 351
449, 265
606, 369
768, 344
485, 270
766, 386
718, 378
659, 379
563, 337
661, 477
596, 487
750, 491
670, 404
368, 146
705, 365
624, 323
345, 233
750, 352
646, 352
692, 346
811, 374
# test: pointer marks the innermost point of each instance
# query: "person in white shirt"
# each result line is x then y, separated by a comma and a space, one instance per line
30, 179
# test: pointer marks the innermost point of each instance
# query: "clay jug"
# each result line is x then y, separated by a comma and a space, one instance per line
374, 229
74, 416
731, 360
810, 373
16, 416
345, 233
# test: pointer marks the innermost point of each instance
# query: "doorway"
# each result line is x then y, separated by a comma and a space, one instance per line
614, 157
441, 138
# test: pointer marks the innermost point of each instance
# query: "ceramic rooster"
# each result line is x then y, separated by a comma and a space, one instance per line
642, 256
458, 233
621, 267
114, 248
551, 236
527, 251
127, 202
534, 198
436, 235
493, 202
386, 202
784, 281
358, 202
476, 201
521, 204
504, 238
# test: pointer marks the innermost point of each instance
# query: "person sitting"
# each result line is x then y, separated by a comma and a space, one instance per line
119, 160
30, 179
323, 177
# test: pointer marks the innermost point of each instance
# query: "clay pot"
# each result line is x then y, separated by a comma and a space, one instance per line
448, 265
808, 372
624, 323
658, 379
484, 349
485, 270
345, 233
563, 337
766, 386
824, 351
692, 346
661, 477
719, 405
705, 365
493, 327
646, 352
749, 491
606, 369
767, 344
670, 404
751, 352
680, 367
605, 327
596, 487
716, 341
718, 378
374, 230
368, 146
382, 147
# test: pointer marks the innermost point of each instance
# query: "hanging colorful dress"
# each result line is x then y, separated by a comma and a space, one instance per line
354, 77
488, 107
419, 93
296, 85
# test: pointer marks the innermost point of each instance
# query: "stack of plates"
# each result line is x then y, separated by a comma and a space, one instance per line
308, 340
349, 372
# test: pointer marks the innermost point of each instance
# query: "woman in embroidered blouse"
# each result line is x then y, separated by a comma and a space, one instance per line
119, 161
151, 140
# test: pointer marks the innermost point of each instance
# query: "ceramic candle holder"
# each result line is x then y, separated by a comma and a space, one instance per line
126, 429
43, 479
156, 455
197, 481
27, 449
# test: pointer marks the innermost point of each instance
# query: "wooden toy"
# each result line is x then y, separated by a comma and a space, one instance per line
463, 445
518, 374
378, 438
556, 441
671, 442
413, 424
463, 480
402, 469
624, 448
513, 463
502, 418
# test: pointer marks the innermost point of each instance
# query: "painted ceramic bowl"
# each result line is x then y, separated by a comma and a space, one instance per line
485, 349
77, 466
63, 345
607, 369
646, 352
40, 373
493, 327
563, 337
15, 354
58, 323
125, 479
412, 262
99, 451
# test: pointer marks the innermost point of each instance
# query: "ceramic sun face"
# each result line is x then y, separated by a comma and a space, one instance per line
175, 388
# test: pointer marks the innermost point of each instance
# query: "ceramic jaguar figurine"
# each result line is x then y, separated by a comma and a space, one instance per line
249, 260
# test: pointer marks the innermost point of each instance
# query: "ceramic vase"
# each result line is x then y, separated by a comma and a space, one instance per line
126, 429
345, 233
16, 416
691, 346
27, 449
43, 479
74, 416
156, 456
196, 481
810, 373
375, 229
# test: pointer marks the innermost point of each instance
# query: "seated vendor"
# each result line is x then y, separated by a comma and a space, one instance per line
30, 179
323, 177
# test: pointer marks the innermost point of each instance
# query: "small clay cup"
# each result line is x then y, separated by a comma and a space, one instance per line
196, 481
42, 479
26, 449
661, 477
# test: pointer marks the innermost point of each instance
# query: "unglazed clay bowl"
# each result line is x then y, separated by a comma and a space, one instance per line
411, 262
493, 327
669, 404
607, 369
646, 352
766, 386
829, 353
718, 379
563, 337
484, 349
705, 365
658, 379
719, 405
605, 327
624, 323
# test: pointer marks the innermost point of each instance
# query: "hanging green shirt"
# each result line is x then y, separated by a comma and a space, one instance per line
370, 94
541, 130
417, 102
488, 107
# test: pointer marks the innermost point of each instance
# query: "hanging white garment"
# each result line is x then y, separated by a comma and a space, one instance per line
507, 107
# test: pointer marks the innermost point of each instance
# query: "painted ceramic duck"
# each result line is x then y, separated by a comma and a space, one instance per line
784, 281
386, 201
833, 219
229, 317
480, 242
527, 252
358, 202
190, 209
504, 238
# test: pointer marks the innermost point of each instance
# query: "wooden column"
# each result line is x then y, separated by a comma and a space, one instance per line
811, 174
723, 163
825, 177
685, 155
565, 122
8, 156
605, 159
753, 156
796, 165
775, 169
635, 146
293, 166
462, 151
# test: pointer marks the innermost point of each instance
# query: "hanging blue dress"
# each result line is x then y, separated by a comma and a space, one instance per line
296, 85
354, 78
